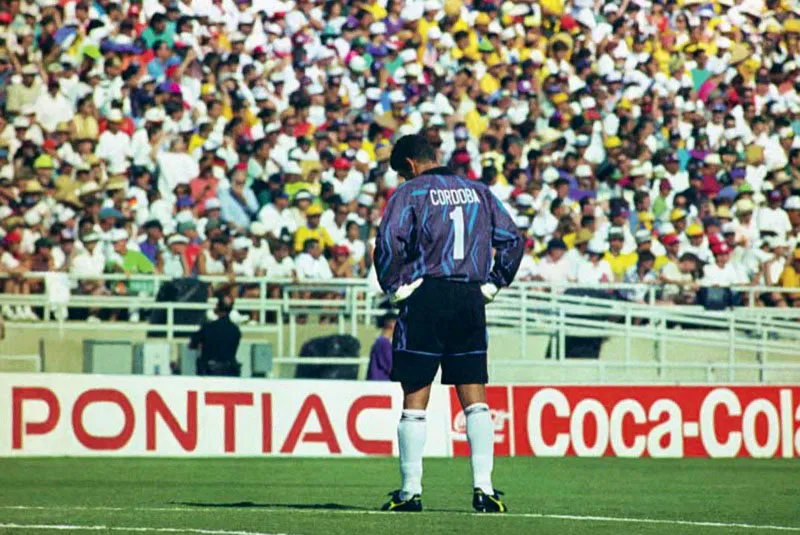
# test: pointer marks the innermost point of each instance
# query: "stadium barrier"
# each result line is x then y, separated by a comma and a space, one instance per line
89, 415
759, 335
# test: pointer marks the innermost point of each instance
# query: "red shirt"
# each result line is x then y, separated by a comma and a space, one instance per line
197, 186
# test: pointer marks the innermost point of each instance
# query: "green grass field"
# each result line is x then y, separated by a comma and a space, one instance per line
317, 496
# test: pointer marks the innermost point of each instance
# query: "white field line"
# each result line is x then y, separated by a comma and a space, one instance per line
79, 527
267, 510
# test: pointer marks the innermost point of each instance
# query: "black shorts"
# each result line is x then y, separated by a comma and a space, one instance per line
442, 322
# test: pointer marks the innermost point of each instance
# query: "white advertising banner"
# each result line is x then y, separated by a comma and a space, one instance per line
57, 414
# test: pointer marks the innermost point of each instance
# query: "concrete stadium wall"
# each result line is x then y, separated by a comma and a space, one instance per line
64, 353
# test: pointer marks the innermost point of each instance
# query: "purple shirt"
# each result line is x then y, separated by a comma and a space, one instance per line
380, 360
150, 250
440, 225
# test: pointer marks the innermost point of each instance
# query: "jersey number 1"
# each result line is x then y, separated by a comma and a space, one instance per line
457, 216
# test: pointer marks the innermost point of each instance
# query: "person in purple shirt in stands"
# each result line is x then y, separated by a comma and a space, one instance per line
380, 357
150, 246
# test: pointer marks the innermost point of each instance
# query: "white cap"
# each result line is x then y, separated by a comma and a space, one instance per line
257, 228
596, 246
177, 238
377, 28
373, 93
427, 107
358, 64
155, 115
212, 204
240, 243
292, 168
365, 199
434, 33
397, 97
525, 200
117, 234
583, 171
259, 93
408, 55
92, 237
728, 228
550, 175
432, 5
643, 236
792, 203
115, 116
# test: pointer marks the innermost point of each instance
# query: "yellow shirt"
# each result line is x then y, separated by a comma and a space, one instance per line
489, 84
194, 142
476, 123
790, 278
423, 27
305, 233
377, 10
86, 127
620, 263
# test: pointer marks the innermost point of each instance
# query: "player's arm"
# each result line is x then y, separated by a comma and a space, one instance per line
509, 248
391, 244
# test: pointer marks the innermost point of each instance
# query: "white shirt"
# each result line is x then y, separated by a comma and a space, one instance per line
774, 219
176, 168
528, 268
86, 264
281, 270
310, 268
349, 188
113, 147
728, 275
275, 220
590, 273
245, 268
53, 110
556, 272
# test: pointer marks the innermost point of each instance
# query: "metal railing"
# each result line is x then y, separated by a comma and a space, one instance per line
526, 310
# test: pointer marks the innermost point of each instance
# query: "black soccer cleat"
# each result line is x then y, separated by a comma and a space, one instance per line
488, 503
396, 503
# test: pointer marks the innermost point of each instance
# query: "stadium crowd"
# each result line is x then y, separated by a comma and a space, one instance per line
631, 140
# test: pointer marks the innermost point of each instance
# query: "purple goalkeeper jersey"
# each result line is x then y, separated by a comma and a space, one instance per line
440, 225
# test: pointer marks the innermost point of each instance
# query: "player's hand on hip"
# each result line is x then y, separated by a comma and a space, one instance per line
489, 291
404, 291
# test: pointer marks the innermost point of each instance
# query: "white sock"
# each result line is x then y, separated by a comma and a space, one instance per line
480, 433
411, 440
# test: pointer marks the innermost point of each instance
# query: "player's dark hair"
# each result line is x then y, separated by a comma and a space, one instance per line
308, 244
646, 256
411, 147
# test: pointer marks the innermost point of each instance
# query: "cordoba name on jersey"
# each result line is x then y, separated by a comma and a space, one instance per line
453, 196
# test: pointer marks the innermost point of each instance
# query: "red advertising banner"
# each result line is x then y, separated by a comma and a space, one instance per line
657, 421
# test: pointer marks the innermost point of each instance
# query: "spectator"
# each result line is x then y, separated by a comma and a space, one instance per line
310, 264
218, 342
380, 356
554, 265
790, 279
312, 231
643, 273
619, 262
679, 278
594, 269
174, 260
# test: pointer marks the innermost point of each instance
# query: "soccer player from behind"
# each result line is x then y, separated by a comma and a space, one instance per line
433, 256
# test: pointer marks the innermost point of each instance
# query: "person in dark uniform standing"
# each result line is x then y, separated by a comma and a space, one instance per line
444, 248
218, 341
